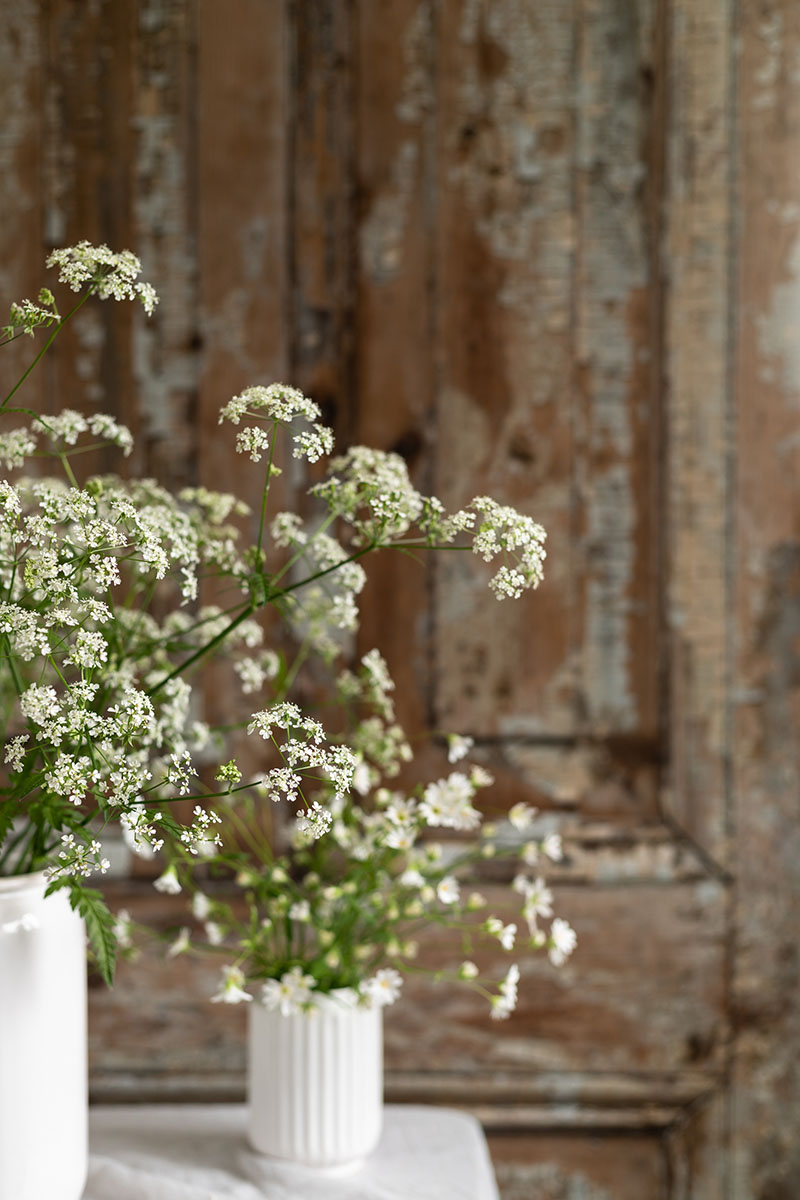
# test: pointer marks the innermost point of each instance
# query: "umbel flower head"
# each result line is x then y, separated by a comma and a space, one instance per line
103, 637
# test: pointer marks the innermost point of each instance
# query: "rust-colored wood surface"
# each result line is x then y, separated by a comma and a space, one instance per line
546, 250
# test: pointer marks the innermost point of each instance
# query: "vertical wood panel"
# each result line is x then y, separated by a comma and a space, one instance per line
166, 349
767, 680
397, 47
89, 157
441, 218
240, 177
21, 175
697, 415
617, 416
239, 172
322, 148
504, 340
580, 1167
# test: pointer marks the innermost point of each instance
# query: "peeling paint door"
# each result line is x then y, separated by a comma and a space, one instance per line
547, 251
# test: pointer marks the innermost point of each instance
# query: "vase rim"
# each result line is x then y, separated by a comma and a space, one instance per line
32, 881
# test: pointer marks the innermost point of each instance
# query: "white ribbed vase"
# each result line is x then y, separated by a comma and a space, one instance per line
43, 1089
316, 1083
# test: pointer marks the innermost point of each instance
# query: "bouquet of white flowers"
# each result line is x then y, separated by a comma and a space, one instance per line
101, 634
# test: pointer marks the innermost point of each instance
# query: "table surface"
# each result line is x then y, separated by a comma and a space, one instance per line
199, 1152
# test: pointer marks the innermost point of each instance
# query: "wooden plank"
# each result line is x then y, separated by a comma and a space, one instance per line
698, 249
394, 352
241, 185
697, 1148
504, 311
21, 241
240, 175
88, 155
166, 360
766, 1112
643, 994
617, 301
321, 37
552, 1167
650, 996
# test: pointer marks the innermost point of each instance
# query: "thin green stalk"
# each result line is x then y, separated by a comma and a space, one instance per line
59, 326
247, 611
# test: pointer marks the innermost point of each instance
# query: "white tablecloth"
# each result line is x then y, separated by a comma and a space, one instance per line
199, 1152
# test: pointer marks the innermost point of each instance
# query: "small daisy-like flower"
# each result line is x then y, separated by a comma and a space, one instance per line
448, 890
168, 882
290, 994
552, 847
232, 988
214, 933
522, 816
458, 747
384, 987
562, 942
181, 944
505, 934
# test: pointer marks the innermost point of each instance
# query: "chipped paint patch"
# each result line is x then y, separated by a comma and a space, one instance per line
611, 555
778, 340
383, 230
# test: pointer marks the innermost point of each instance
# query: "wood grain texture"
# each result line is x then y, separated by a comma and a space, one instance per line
393, 403
22, 81
767, 611
646, 1000
552, 1167
698, 413
550, 252
505, 261
616, 466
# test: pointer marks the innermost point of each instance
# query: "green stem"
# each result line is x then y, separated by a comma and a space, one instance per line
60, 325
246, 612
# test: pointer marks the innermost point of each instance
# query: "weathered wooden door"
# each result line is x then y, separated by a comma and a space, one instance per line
545, 249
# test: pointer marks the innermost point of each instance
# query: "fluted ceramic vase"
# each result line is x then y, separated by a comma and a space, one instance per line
316, 1084
43, 1088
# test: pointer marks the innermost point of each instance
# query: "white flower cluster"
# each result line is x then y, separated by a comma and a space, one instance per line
281, 405
78, 858
371, 489
294, 991
324, 612
304, 755
111, 274
501, 530
201, 837
25, 316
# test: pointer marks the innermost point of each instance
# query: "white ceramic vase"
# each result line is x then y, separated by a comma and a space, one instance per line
43, 1074
316, 1084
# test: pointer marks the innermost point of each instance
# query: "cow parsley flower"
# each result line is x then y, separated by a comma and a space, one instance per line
114, 275
14, 753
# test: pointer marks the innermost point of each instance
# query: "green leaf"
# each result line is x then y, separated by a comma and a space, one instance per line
99, 925
8, 810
